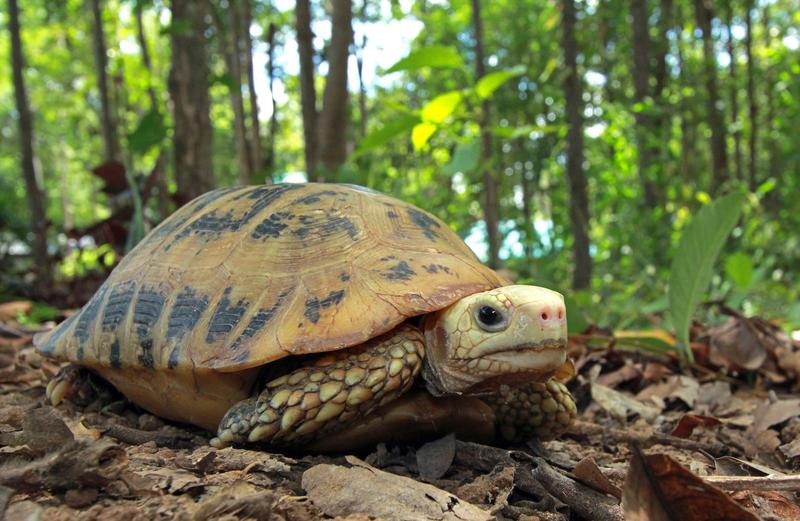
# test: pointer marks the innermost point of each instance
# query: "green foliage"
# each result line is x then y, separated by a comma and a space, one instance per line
38, 314
694, 259
81, 262
150, 132
494, 80
434, 56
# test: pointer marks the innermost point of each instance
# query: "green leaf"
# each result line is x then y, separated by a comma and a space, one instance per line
494, 80
739, 268
465, 158
439, 108
421, 134
692, 266
381, 136
436, 56
576, 320
151, 131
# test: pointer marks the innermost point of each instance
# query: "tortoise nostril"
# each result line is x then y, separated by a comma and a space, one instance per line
544, 316
560, 313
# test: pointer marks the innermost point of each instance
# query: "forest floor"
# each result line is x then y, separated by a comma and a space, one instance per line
714, 441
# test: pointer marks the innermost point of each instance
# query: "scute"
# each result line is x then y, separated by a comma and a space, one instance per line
243, 276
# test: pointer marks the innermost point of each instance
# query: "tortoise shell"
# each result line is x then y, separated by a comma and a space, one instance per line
243, 276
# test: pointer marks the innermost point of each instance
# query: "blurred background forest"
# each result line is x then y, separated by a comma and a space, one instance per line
570, 142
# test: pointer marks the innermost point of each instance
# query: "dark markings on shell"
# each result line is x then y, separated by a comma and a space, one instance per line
344, 277
213, 224
400, 271
146, 312
185, 313
314, 198
191, 208
259, 320
114, 355
325, 226
52, 341
87, 317
385, 259
434, 268
226, 316
314, 304
117, 306
272, 226
425, 222
392, 215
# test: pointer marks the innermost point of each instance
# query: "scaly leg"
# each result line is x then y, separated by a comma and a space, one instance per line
78, 385
326, 394
540, 410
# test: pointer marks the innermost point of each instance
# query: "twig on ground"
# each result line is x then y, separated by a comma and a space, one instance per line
760, 483
582, 428
176, 440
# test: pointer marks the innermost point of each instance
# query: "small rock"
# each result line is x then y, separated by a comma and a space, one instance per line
148, 422
79, 498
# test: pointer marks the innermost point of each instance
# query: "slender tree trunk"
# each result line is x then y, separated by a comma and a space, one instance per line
525, 181
579, 199
273, 118
33, 185
687, 126
107, 120
769, 81
255, 125
362, 88
161, 176
641, 87
751, 97
734, 95
704, 14
228, 39
333, 120
490, 202
188, 87
308, 92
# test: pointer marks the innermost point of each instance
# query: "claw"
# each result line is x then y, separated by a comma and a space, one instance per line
57, 389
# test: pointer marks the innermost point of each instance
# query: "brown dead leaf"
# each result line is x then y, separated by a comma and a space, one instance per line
625, 373
772, 505
769, 414
490, 489
657, 488
620, 405
241, 500
688, 422
681, 387
9, 311
590, 474
730, 466
736, 343
44, 431
363, 489
435, 457
791, 449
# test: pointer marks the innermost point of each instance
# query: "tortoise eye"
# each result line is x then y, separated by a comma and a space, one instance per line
490, 318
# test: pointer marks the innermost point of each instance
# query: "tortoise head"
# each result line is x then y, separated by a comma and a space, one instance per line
512, 334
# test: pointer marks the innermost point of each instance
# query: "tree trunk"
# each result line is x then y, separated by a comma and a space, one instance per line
362, 88
107, 120
269, 161
255, 126
579, 200
734, 95
161, 176
33, 188
333, 119
769, 82
525, 181
641, 87
751, 97
490, 202
719, 159
308, 93
228, 39
188, 87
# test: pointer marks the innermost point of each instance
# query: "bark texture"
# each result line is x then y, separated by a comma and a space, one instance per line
641, 86
736, 130
490, 203
256, 157
308, 93
333, 121
751, 97
188, 87
33, 188
579, 199
719, 156
107, 120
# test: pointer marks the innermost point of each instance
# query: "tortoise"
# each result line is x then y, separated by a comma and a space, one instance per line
300, 314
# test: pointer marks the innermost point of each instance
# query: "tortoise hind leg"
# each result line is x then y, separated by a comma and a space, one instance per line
326, 394
536, 410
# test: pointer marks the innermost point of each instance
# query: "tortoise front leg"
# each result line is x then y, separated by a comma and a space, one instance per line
536, 410
326, 394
